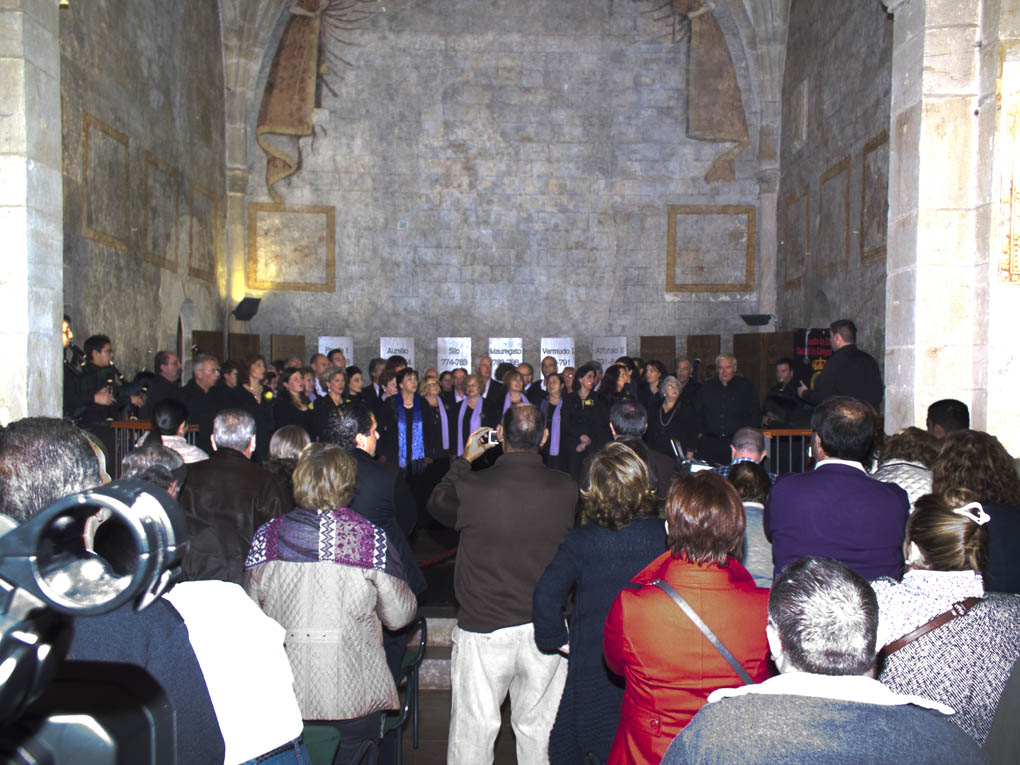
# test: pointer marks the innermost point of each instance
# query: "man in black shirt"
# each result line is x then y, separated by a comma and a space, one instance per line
849, 371
725, 404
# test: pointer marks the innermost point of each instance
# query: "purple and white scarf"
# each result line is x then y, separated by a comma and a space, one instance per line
328, 536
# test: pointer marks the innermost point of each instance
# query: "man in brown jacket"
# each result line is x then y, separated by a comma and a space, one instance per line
226, 499
512, 518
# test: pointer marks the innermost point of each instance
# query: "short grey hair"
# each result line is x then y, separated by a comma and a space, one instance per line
826, 616
723, 356
748, 439
233, 429
203, 358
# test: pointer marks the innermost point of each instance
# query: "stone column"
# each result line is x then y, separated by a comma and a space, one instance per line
941, 147
31, 209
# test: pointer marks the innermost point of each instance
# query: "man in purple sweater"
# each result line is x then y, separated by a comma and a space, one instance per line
836, 510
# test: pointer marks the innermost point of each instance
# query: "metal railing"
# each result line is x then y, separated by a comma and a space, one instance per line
126, 434
789, 450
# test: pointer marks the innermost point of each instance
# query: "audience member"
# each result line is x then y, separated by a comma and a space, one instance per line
511, 518
849, 371
628, 423
668, 680
825, 705
941, 636
748, 445
169, 423
226, 498
595, 562
971, 459
906, 459
332, 579
44, 459
753, 484
837, 510
284, 448
946, 416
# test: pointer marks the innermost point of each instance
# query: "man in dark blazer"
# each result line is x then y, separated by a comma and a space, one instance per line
837, 510
849, 371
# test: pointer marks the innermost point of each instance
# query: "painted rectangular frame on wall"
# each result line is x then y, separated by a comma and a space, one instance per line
198, 273
875, 253
751, 214
789, 282
149, 161
843, 166
104, 237
254, 208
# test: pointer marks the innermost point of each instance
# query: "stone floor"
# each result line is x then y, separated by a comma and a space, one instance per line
434, 727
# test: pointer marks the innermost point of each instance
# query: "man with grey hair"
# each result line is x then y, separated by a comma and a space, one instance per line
747, 445
725, 404
204, 398
226, 498
825, 705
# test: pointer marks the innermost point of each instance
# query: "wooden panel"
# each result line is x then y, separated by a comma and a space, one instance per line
244, 346
705, 348
210, 342
757, 353
661, 348
282, 347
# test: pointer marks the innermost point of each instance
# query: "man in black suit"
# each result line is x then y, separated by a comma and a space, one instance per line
849, 371
166, 384
204, 399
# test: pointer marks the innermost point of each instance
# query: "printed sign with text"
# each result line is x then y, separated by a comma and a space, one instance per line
344, 343
560, 348
453, 352
397, 346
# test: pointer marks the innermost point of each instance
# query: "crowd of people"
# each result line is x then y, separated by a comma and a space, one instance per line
630, 569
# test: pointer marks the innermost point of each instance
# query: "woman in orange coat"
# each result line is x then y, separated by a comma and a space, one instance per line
669, 666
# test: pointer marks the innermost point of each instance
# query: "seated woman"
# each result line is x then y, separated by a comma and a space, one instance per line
971, 459
598, 559
669, 666
169, 424
905, 459
332, 580
753, 485
284, 448
966, 661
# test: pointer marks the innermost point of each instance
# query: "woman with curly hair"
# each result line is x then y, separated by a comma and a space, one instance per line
599, 558
971, 459
905, 459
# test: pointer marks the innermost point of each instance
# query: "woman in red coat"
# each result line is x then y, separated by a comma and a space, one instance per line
669, 666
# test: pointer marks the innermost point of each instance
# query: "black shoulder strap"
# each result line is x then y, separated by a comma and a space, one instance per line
705, 630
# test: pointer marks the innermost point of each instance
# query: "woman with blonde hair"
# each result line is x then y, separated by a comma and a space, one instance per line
941, 635
598, 559
334, 381
332, 580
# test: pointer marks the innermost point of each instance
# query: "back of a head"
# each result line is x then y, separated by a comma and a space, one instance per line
751, 481
846, 428
628, 418
168, 415
349, 421
287, 442
845, 329
948, 540
749, 441
618, 487
706, 519
972, 459
43, 459
826, 616
501, 369
233, 429
911, 444
523, 427
325, 477
154, 463
949, 414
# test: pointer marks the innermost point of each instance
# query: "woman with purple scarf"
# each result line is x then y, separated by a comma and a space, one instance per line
332, 580
553, 453
470, 414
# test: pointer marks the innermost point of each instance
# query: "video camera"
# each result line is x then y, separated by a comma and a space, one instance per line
81, 711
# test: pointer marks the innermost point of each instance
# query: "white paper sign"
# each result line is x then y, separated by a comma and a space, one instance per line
506, 349
453, 352
345, 344
606, 350
397, 346
560, 348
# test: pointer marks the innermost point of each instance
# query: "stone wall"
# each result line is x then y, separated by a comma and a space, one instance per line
505, 169
143, 163
832, 203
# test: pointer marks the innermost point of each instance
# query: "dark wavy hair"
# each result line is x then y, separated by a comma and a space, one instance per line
911, 444
972, 459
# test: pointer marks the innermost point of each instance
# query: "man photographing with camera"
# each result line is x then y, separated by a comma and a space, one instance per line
512, 518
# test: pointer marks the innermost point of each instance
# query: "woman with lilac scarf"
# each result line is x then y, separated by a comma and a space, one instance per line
552, 407
332, 579
470, 414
